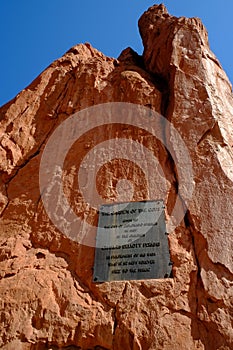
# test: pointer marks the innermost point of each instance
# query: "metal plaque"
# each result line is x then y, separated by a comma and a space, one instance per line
131, 242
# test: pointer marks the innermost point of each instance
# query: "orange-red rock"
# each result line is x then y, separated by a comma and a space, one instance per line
48, 299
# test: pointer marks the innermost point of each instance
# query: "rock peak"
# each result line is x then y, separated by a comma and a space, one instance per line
162, 39
158, 9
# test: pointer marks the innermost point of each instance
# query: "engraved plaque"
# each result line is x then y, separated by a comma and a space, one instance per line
132, 242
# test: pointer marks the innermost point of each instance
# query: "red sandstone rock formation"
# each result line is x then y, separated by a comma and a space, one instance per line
48, 299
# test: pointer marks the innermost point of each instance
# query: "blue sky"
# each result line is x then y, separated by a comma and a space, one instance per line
34, 33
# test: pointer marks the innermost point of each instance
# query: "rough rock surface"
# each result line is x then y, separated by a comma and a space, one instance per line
48, 299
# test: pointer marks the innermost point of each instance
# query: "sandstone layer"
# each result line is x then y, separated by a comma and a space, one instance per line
48, 298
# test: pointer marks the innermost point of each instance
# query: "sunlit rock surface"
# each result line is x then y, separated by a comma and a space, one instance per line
48, 299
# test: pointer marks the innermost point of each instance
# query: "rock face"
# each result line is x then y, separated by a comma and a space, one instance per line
48, 299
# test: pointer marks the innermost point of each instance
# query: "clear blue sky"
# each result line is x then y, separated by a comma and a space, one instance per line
36, 32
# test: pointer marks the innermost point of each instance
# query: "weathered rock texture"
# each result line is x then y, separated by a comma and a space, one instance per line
48, 300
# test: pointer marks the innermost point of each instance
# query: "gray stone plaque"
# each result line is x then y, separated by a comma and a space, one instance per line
131, 242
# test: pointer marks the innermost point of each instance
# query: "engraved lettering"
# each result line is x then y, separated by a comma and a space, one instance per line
151, 254
132, 242
146, 262
130, 246
133, 270
144, 270
151, 244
